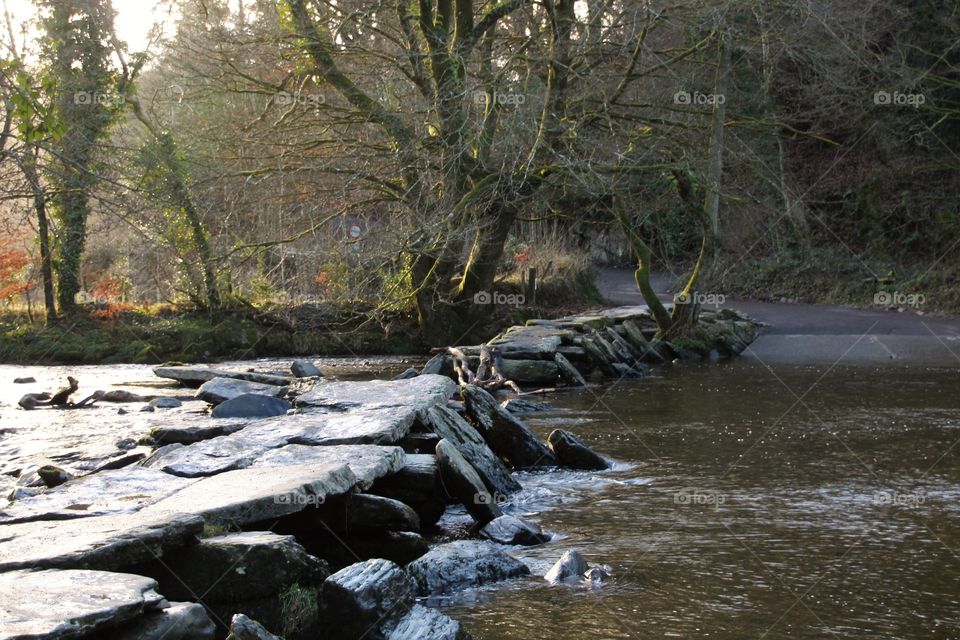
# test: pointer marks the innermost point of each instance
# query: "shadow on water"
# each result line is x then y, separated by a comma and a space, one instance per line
798, 503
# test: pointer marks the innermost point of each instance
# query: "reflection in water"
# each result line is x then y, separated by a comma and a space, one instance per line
749, 511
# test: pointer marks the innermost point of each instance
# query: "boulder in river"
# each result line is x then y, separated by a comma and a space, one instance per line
424, 623
462, 482
450, 426
573, 453
462, 564
28, 380
218, 390
251, 405
243, 628
358, 513
305, 369
571, 566
508, 437
509, 529
361, 600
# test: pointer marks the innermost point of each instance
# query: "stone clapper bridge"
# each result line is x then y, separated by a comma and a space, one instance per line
248, 516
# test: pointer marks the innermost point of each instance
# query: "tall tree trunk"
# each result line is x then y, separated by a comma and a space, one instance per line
43, 232
715, 168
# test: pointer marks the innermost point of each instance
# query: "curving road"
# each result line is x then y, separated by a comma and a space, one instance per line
822, 334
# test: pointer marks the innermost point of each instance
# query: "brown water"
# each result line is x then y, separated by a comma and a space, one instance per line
749, 513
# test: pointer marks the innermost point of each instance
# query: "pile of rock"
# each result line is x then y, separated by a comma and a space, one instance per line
245, 515
619, 342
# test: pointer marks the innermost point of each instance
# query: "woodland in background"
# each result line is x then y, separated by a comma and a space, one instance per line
394, 162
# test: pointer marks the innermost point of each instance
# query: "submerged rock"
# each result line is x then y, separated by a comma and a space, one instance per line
166, 403
462, 564
509, 529
71, 603
406, 374
596, 575
519, 406
27, 380
462, 482
243, 628
221, 389
450, 426
251, 405
573, 453
571, 566
508, 437
53, 476
362, 600
424, 623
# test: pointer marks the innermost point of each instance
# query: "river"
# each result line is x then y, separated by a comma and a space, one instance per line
747, 502
798, 502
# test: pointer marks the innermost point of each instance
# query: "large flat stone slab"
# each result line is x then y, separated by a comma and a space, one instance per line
100, 542
69, 604
420, 393
529, 343
367, 462
384, 426
251, 495
195, 376
108, 492
207, 458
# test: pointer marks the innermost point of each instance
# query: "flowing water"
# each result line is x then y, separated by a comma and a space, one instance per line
794, 503
800, 502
